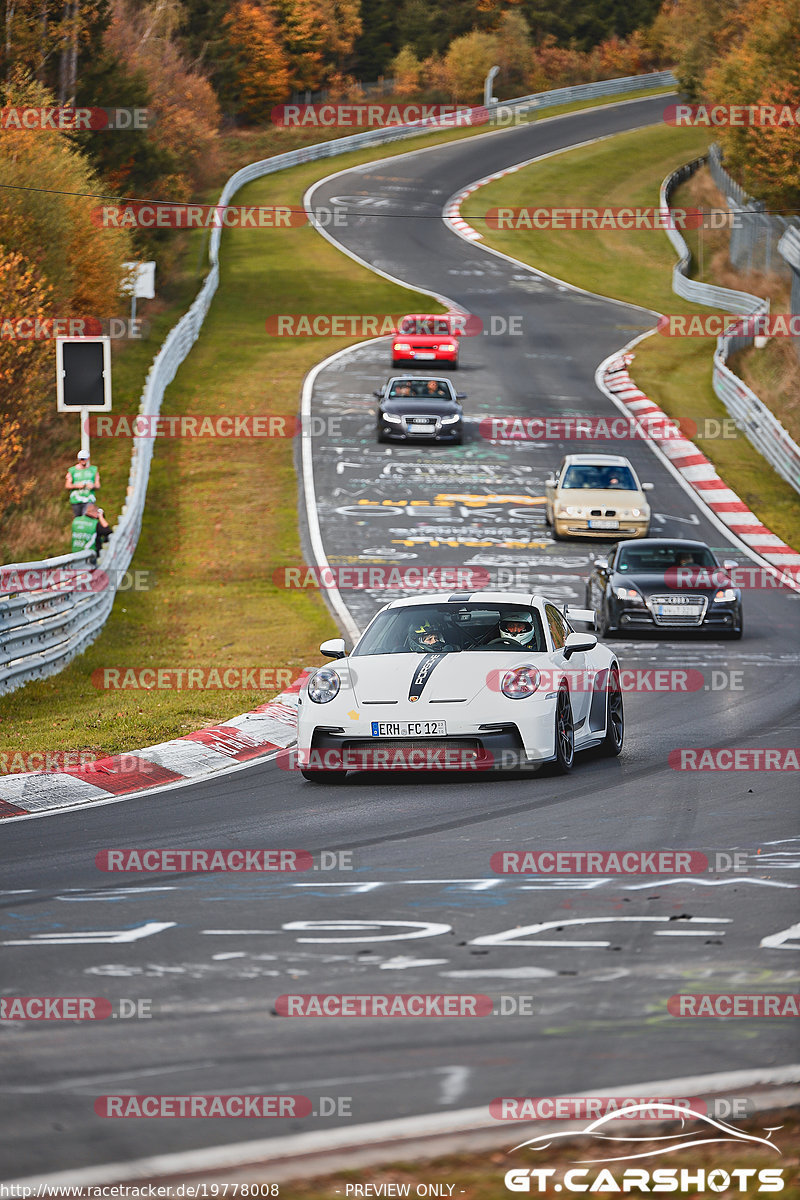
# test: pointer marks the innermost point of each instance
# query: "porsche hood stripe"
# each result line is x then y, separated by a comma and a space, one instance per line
423, 673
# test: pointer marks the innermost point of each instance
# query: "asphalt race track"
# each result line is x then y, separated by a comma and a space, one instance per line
421, 910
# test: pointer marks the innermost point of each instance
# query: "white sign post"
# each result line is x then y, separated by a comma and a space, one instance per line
83, 378
141, 283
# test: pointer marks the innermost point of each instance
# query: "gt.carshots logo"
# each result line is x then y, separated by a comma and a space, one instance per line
695, 1129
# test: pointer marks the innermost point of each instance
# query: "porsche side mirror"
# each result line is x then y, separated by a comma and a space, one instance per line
648, 487
577, 642
334, 648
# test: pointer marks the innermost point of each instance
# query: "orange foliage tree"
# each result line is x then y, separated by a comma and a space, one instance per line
256, 72
762, 68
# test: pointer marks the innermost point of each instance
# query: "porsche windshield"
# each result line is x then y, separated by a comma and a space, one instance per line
655, 559
600, 477
450, 628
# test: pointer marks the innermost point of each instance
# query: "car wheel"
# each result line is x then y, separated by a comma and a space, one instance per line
548, 520
604, 629
557, 537
734, 635
381, 437
565, 733
615, 717
317, 776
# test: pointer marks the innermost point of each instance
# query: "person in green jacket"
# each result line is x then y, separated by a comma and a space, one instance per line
90, 530
83, 480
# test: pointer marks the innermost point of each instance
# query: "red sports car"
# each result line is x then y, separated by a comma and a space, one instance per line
424, 338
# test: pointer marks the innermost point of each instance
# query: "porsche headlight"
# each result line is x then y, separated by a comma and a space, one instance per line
520, 683
725, 596
392, 418
324, 685
628, 594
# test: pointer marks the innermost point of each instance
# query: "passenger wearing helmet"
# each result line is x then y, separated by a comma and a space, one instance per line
427, 637
518, 627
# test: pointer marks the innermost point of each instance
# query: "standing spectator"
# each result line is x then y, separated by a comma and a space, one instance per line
83, 480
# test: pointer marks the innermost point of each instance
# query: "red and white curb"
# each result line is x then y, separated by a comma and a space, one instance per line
271, 726
452, 210
698, 471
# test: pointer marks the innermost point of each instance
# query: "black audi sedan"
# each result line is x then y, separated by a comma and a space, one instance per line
412, 409
660, 583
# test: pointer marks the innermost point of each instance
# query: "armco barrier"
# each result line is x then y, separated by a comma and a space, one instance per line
750, 414
40, 632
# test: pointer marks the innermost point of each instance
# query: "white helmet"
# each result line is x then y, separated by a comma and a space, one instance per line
518, 627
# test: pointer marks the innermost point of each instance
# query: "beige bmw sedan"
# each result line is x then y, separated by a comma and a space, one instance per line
597, 495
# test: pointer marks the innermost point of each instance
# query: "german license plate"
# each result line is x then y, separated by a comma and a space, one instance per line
409, 728
604, 524
678, 610
424, 354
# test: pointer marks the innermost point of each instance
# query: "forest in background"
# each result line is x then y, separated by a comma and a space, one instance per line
209, 67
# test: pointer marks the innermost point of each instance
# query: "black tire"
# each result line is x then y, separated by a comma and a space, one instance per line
557, 537
605, 631
615, 717
735, 635
317, 776
565, 733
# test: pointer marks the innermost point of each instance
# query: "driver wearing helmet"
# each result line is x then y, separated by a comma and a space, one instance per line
427, 637
518, 627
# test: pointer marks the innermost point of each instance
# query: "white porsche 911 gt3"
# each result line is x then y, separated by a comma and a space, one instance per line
467, 681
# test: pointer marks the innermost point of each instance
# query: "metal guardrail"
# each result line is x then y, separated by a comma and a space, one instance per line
749, 412
42, 630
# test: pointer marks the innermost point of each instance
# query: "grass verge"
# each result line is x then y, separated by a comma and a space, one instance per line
220, 516
636, 267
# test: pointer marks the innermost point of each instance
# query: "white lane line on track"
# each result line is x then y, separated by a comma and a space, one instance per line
432, 1128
